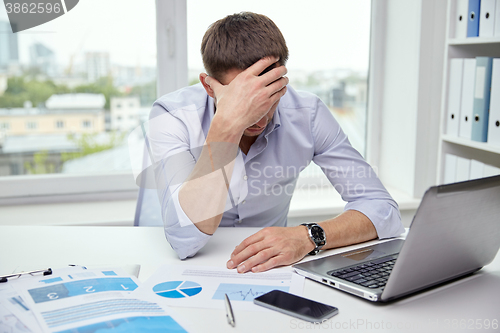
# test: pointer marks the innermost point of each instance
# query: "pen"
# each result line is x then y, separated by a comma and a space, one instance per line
5, 278
229, 312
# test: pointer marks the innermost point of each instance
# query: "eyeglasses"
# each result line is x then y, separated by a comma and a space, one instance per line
43, 272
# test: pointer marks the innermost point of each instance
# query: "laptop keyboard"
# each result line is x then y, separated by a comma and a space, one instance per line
373, 274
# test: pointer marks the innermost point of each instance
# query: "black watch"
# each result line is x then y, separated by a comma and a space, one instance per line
317, 235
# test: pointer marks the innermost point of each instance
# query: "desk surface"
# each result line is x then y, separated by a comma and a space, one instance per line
470, 302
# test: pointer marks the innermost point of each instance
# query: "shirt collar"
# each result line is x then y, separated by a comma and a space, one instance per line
211, 107
275, 122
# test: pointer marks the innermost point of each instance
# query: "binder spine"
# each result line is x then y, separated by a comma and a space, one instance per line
482, 93
487, 18
494, 116
473, 19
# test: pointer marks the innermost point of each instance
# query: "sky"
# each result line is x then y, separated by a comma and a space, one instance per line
321, 34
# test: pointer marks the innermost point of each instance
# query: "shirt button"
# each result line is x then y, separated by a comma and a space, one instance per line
243, 202
240, 221
245, 177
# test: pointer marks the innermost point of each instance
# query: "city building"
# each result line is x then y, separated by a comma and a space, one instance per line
129, 76
126, 113
68, 113
18, 151
20, 154
97, 65
43, 58
9, 50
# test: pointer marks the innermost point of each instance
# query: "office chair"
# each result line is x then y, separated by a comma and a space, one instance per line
148, 209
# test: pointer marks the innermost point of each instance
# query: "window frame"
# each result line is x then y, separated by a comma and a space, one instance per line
171, 30
31, 125
87, 124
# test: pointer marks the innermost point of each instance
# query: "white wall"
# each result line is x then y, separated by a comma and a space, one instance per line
397, 163
407, 88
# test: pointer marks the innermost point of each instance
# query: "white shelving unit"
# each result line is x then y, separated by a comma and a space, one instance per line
463, 48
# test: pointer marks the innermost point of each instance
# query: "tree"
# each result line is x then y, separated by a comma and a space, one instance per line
20, 89
102, 86
88, 144
146, 92
40, 164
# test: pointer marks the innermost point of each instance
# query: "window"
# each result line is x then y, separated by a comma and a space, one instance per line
31, 125
4, 126
79, 45
68, 69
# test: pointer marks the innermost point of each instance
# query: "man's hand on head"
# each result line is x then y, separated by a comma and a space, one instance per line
271, 247
249, 97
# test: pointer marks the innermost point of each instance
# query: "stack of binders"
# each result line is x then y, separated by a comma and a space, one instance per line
459, 169
474, 99
477, 18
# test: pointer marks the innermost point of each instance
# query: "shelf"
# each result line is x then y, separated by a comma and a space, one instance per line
473, 47
474, 41
469, 48
484, 146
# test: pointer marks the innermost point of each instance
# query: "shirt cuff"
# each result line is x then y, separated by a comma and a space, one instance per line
184, 237
385, 217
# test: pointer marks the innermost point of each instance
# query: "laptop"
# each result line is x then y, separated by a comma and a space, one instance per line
455, 232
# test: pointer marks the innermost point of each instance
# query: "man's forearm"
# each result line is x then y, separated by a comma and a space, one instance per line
203, 195
241, 103
350, 227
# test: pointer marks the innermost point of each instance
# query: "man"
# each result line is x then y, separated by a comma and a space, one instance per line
229, 152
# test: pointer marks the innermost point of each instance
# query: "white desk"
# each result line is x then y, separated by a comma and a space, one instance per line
476, 297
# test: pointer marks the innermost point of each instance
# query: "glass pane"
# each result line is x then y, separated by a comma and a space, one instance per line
328, 42
72, 89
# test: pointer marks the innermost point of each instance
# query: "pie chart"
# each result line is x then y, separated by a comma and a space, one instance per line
177, 289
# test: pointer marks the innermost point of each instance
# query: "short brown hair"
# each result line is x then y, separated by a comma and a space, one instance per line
240, 40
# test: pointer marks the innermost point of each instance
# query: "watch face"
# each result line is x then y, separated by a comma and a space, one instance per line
317, 233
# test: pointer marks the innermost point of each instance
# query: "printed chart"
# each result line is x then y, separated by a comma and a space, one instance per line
177, 289
244, 292
77, 288
205, 286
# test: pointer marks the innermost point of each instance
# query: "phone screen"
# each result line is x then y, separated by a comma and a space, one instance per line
296, 306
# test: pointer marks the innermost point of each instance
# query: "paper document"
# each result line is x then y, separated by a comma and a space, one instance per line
9, 322
204, 287
91, 301
15, 313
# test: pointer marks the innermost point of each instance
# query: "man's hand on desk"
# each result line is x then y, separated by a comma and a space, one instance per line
280, 246
271, 247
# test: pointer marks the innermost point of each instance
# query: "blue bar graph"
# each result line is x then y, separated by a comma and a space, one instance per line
76, 288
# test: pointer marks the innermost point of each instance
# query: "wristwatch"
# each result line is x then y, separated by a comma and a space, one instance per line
317, 235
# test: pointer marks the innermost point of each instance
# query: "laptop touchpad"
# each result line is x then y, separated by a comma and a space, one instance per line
363, 254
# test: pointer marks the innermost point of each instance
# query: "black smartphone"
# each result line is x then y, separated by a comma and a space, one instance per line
296, 306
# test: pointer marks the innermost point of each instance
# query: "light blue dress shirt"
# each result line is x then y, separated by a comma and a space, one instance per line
262, 183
